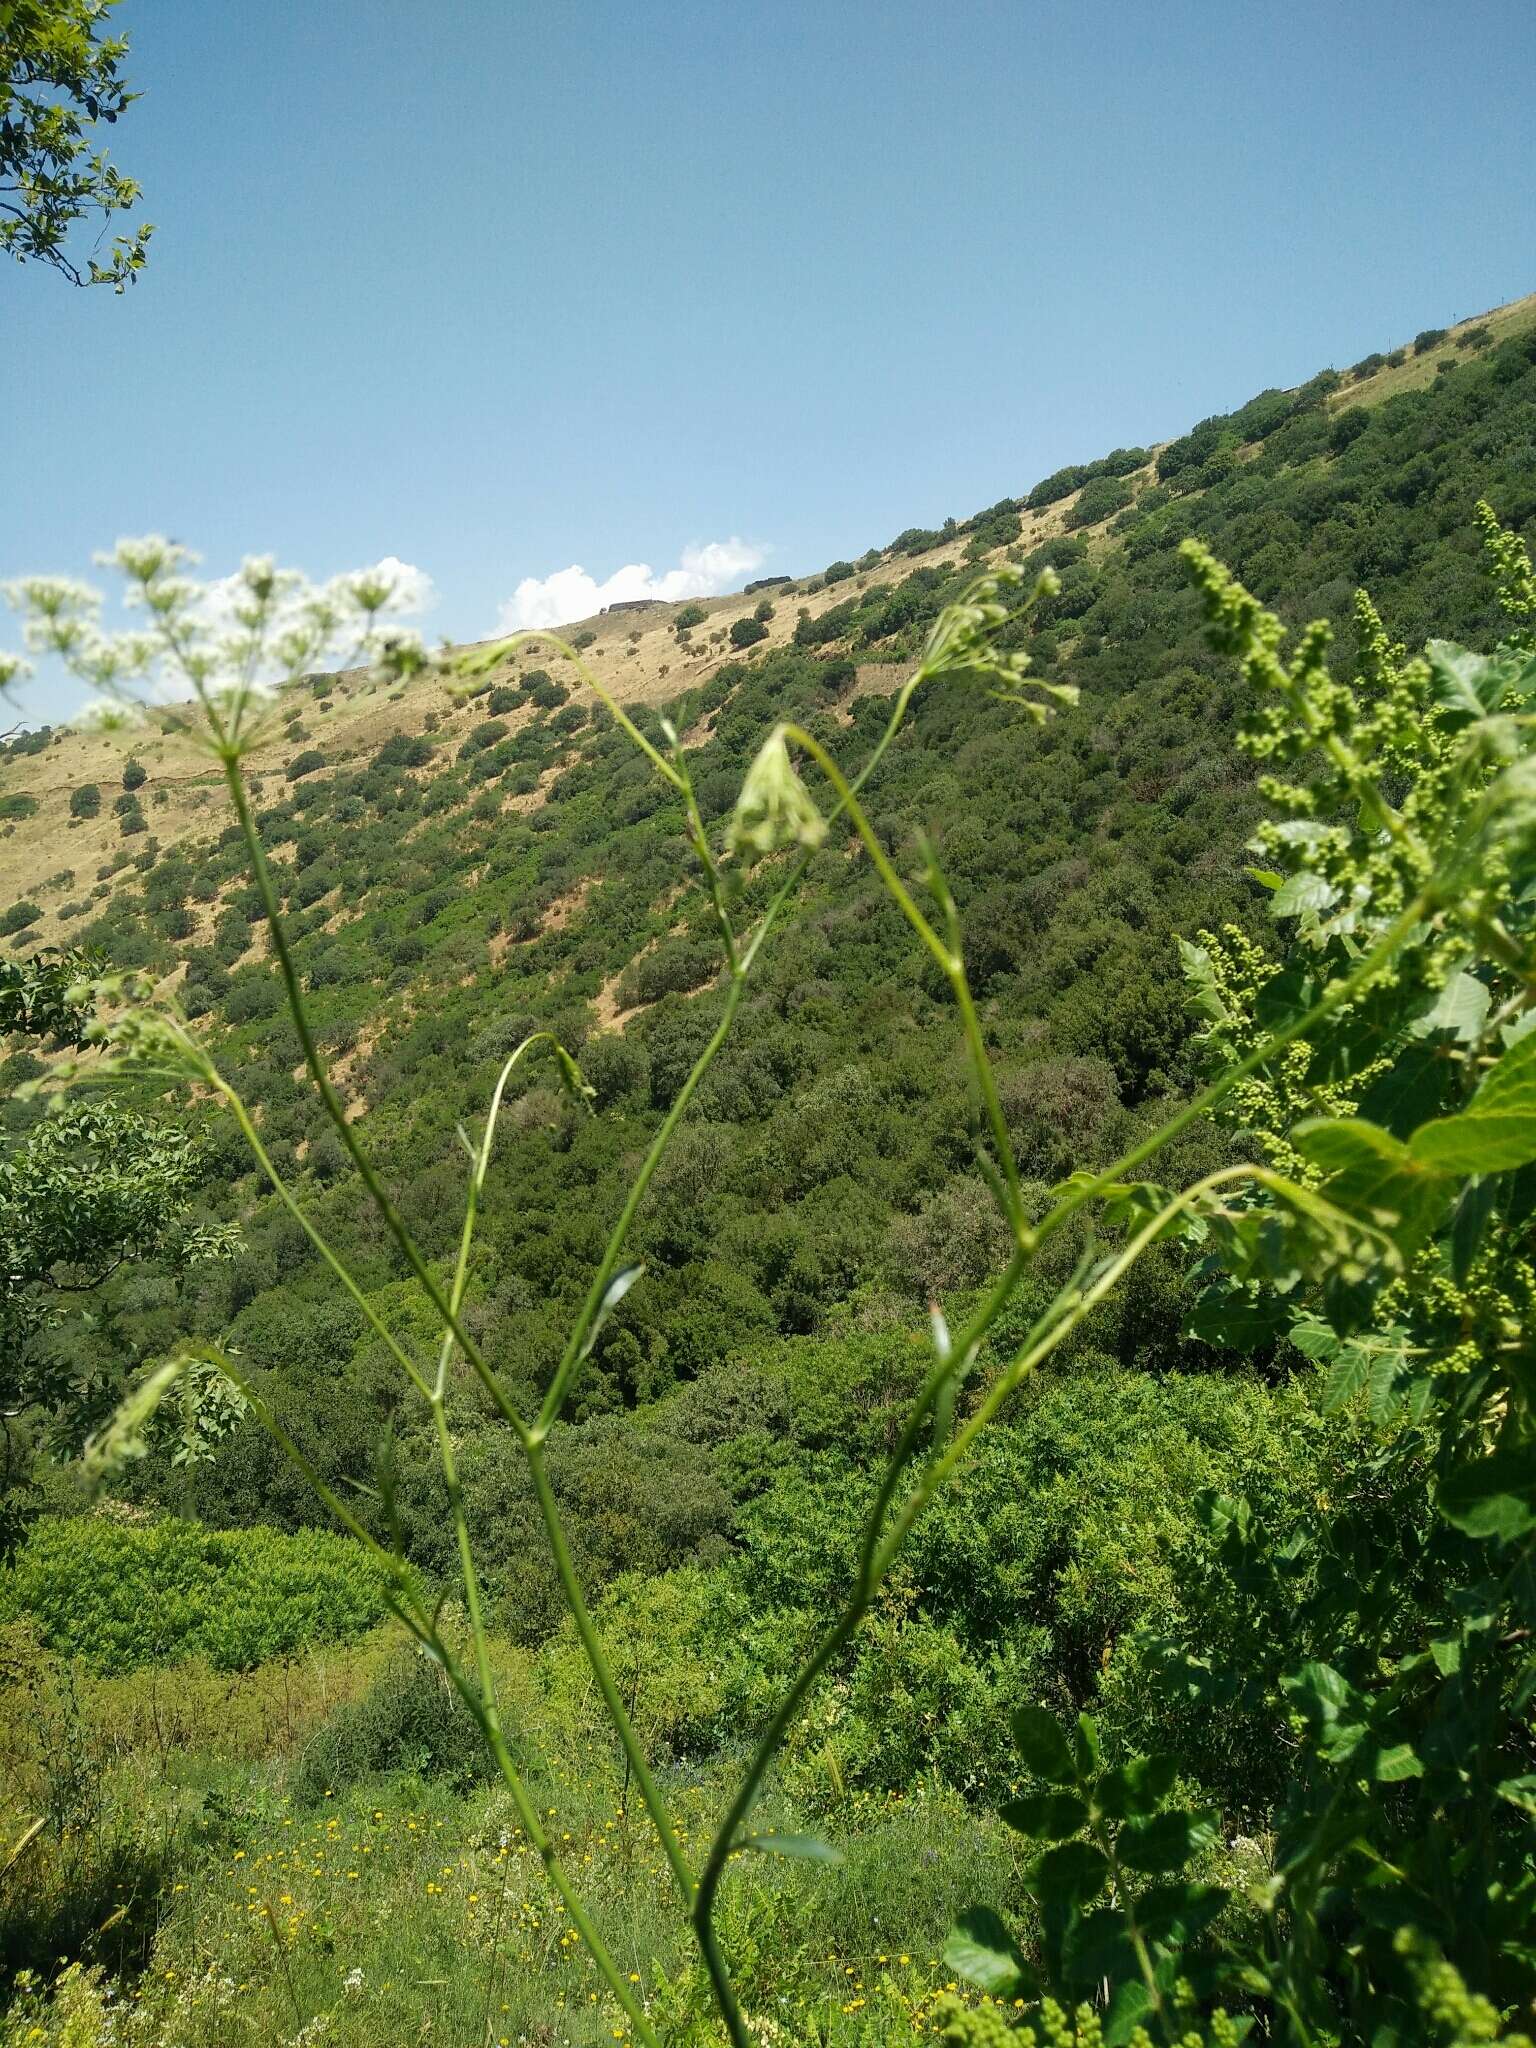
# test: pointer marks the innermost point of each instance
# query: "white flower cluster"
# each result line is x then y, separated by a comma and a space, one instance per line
223, 646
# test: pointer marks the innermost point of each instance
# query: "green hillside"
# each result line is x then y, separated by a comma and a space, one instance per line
506, 862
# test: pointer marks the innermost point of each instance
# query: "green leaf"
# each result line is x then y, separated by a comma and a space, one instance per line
1497, 1129
1137, 1788
1203, 996
1519, 1792
1099, 1946
1176, 1913
1460, 1008
1410, 1091
1237, 1318
1047, 1816
1397, 1763
1372, 1174
1043, 1746
1303, 892
803, 1848
1069, 1875
1493, 1496
980, 1949
1165, 1842
1469, 686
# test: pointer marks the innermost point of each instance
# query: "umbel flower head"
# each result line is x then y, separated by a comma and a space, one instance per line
775, 808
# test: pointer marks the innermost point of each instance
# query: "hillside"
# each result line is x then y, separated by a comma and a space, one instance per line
639, 657
1219, 1515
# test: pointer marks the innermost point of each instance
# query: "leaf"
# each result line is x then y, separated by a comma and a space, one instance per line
1127, 2011
1098, 1947
1410, 1091
1047, 1816
1136, 1788
613, 1294
802, 1848
1203, 995
1237, 1318
1303, 892
1497, 1129
1393, 1765
1165, 1842
980, 1949
1460, 1008
1519, 1792
1468, 686
1474, 1208
1043, 1746
1374, 1175
1069, 1875
1493, 1496
1176, 1913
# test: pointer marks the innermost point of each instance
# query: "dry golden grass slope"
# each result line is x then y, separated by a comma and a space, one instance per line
51, 858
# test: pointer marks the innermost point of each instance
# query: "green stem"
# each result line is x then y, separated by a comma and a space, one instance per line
949, 959
634, 1755
560, 1385
336, 1111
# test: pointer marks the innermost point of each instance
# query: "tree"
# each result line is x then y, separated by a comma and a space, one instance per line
85, 802
61, 79
135, 774
747, 632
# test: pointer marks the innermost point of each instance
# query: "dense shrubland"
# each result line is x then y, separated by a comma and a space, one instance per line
1213, 1519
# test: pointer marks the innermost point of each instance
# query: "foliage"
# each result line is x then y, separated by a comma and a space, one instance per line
63, 75
409, 1719
120, 1596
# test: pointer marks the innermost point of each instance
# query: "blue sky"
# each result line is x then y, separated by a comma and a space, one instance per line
500, 288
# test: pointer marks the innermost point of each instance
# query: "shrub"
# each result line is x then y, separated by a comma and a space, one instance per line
1428, 338
1106, 494
503, 698
584, 638
403, 750
135, 774
18, 917
18, 805
304, 764
409, 1719
837, 572
85, 802
764, 611
119, 1596
747, 632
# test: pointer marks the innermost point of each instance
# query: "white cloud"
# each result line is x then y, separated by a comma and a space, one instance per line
573, 594
411, 589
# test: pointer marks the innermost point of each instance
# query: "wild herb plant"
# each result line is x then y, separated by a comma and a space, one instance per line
1406, 854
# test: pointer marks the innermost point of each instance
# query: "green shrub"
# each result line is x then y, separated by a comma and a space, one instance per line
120, 1596
1428, 338
481, 736
17, 918
85, 802
135, 774
304, 764
690, 616
747, 632
409, 1719
1106, 494
18, 805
